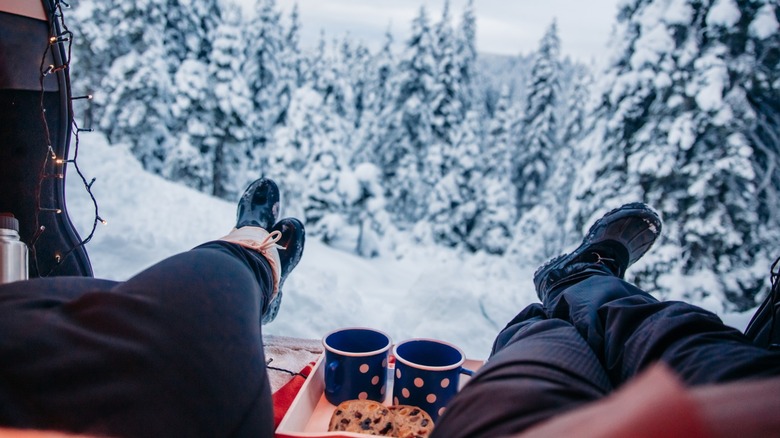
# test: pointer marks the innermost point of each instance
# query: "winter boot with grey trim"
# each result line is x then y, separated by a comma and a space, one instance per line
280, 243
290, 246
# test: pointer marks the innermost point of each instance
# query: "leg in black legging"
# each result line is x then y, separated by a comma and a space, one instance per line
173, 351
539, 368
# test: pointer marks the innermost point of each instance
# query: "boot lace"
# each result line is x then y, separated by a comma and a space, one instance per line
609, 263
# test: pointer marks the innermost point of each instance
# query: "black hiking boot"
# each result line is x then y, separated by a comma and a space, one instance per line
259, 205
615, 242
291, 243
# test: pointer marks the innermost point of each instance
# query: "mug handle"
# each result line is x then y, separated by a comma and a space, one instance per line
330, 377
466, 371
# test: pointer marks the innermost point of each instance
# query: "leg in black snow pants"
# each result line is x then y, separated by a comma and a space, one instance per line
593, 333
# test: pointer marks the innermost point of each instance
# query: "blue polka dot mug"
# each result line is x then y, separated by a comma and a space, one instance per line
355, 364
427, 374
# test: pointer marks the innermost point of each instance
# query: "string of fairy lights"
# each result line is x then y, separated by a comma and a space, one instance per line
59, 34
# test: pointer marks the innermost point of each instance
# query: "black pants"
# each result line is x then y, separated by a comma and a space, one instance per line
174, 351
590, 337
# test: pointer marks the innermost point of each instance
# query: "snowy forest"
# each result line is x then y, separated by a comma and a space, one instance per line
427, 142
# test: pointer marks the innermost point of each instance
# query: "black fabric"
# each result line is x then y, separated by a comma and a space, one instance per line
523, 383
628, 330
32, 189
23, 42
591, 336
764, 327
174, 351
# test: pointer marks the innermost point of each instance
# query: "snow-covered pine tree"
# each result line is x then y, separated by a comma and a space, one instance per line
452, 164
762, 83
466, 57
137, 105
494, 192
360, 74
292, 65
135, 96
191, 160
545, 230
368, 207
328, 191
265, 73
109, 31
293, 141
679, 114
577, 106
411, 131
533, 163
447, 111
292, 147
189, 28
378, 103
323, 200
231, 135
337, 78
454, 203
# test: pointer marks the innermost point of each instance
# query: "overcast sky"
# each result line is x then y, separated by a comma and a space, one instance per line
507, 27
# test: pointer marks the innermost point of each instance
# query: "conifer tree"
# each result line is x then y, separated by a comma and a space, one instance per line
378, 106
447, 111
411, 132
679, 118
265, 73
231, 134
109, 31
455, 201
533, 164
189, 29
466, 56
495, 193
291, 76
137, 106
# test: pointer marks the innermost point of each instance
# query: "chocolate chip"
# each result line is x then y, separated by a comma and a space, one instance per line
365, 424
424, 422
415, 412
345, 421
388, 427
358, 415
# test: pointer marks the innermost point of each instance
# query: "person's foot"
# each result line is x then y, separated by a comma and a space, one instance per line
259, 205
290, 251
615, 242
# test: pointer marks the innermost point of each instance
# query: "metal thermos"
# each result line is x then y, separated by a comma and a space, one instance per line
13, 252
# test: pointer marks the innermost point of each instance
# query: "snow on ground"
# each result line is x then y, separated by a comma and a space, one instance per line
429, 292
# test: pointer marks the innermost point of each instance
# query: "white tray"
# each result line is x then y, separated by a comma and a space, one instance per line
310, 411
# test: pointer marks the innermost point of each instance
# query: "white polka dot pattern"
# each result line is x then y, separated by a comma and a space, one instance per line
445, 382
418, 382
364, 368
